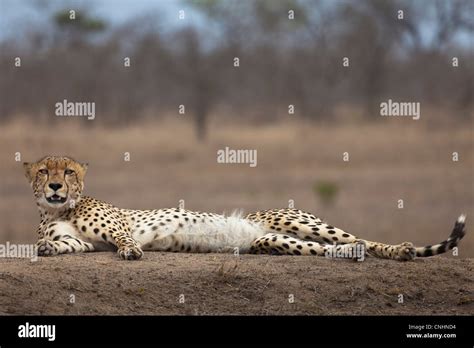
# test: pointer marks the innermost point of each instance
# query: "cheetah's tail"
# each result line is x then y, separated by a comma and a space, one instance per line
453, 240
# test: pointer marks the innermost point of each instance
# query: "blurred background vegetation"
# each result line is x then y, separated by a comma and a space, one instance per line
283, 61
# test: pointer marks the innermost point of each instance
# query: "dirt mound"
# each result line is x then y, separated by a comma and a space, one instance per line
209, 284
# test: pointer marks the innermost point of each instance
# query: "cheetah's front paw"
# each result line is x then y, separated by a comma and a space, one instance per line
130, 253
46, 248
405, 252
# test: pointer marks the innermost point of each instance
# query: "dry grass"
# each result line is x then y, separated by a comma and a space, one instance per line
390, 160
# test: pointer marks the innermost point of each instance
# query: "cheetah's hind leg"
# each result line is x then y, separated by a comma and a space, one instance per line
278, 244
306, 228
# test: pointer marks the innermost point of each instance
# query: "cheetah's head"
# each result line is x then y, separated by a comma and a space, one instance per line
56, 181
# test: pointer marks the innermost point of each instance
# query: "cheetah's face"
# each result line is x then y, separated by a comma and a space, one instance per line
56, 181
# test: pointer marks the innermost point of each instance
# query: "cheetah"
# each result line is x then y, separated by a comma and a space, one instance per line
72, 223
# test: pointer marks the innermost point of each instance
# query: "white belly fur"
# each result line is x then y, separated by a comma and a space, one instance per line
223, 234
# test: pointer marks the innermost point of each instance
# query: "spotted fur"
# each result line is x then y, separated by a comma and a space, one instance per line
71, 222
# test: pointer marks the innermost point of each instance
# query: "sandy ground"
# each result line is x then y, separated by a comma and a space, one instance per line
213, 284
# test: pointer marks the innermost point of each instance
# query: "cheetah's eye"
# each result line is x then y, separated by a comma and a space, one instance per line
69, 172
43, 171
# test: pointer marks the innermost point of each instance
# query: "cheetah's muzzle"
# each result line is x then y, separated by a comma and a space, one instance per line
56, 199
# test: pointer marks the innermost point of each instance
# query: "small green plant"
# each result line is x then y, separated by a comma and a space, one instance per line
326, 191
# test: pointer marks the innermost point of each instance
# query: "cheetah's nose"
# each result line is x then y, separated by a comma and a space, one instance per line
55, 186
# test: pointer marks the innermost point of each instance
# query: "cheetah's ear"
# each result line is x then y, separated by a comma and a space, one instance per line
85, 166
27, 167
